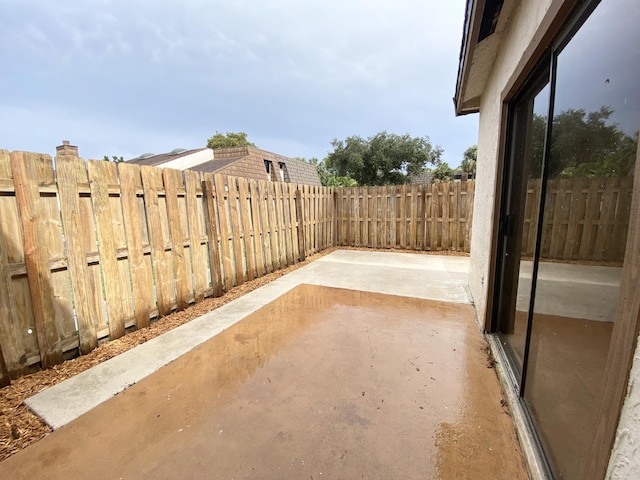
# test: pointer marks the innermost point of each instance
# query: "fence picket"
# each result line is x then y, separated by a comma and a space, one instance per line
137, 239
25, 177
115, 294
14, 322
71, 172
245, 220
163, 275
196, 232
214, 238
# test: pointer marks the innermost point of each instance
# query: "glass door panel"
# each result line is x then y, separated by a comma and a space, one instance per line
594, 141
521, 219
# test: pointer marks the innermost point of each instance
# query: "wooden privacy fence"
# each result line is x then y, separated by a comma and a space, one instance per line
584, 219
434, 216
90, 249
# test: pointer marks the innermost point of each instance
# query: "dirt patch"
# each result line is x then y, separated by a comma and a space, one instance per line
19, 427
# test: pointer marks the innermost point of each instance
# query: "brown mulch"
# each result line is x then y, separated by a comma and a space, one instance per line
19, 427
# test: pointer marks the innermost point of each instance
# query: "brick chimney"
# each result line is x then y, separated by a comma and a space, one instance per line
67, 149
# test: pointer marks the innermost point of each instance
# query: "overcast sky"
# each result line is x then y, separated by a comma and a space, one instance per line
123, 77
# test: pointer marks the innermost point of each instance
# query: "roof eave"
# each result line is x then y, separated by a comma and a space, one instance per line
472, 21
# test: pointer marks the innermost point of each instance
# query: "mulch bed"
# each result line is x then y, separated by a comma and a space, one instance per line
19, 427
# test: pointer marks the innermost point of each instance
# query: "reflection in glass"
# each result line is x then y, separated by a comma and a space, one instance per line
586, 213
527, 171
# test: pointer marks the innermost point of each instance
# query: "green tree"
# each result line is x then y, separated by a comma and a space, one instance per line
328, 176
443, 173
584, 144
468, 164
383, 159
113, 159
229, 139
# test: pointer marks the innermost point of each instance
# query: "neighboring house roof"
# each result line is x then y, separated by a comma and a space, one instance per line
485, 24
163, 158
249, 162
422, 178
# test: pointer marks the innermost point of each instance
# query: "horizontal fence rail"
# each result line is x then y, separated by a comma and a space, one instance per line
90, 250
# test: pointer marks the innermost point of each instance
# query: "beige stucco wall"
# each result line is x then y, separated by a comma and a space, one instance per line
525, 23
625, 457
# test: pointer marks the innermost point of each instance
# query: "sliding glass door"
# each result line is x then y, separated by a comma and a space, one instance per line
566, 209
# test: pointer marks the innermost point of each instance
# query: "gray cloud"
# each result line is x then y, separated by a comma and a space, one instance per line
150, 76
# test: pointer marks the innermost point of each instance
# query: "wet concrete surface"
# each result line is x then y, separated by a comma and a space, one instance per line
431, 277
320, 383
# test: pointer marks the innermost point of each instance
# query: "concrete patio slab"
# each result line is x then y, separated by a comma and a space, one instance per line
421, 276
320, 383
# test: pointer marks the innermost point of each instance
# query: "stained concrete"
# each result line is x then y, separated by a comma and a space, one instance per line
421, 276
321, 383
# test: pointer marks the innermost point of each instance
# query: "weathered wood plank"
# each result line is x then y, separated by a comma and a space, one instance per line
413, 217
287, 215
575, 204
72, 171
258, 236
402, 217
223, 201
115, 293
245, 220
295, 220
196, 231
281, 225
11, 334
469, 216
54, 237
374, 214
454, 209
236, 230
446, 225
621, 220
600, 251
384, 200
316, 219
309, 213
214, 237
135, 229
25, 174
301, 235
434, 214
265, 226
181, 268
273, 226
163, 273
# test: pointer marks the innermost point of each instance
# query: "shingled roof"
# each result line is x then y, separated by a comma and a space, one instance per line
247, 161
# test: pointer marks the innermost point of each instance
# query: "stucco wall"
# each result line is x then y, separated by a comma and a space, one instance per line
625, 457
524, 25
